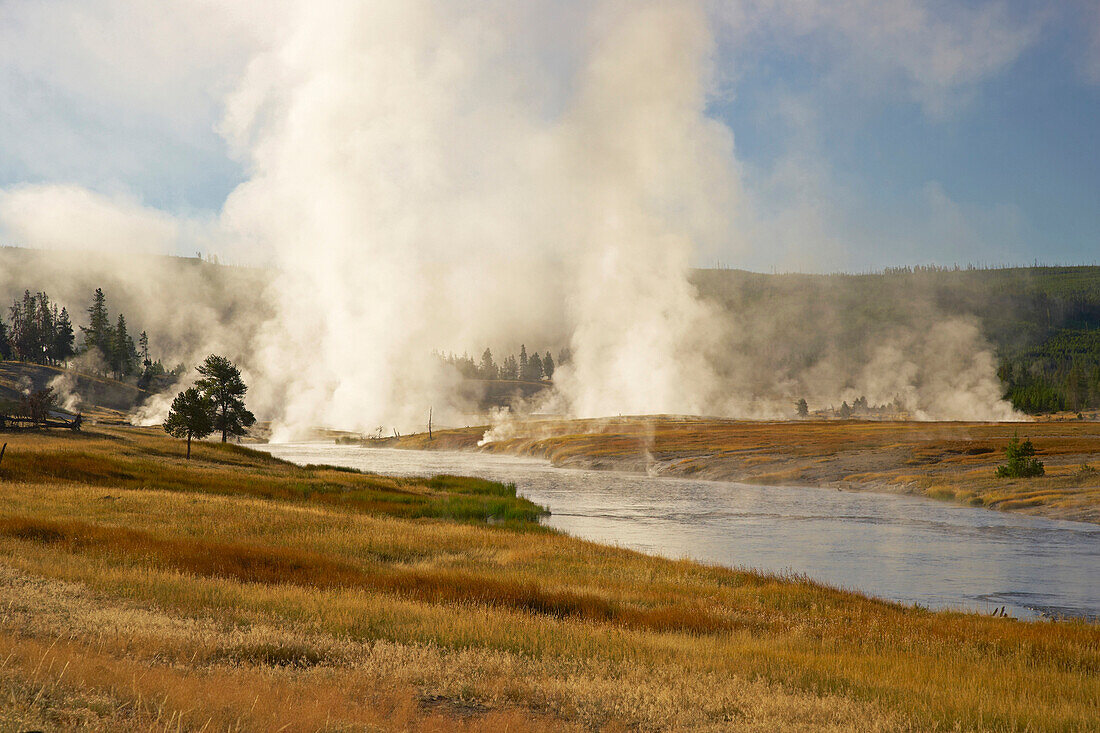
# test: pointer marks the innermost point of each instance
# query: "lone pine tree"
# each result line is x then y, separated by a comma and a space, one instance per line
222, 385
190, 417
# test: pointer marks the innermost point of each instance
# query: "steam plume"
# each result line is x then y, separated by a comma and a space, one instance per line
417, 193
436, 175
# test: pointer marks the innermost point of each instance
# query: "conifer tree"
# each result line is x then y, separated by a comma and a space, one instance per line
15, 314
45, 328
63, 338
1021, 460
190, 417
5, 345
548, 365
123, 353
487, 369
25, 337
523, 361
222, 385
98, 334
534, 368
38, 330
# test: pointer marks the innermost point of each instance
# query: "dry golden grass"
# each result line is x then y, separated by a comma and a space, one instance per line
947, 461
141, 606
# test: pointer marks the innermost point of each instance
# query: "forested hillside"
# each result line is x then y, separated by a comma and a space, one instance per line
1042, 322
183, 304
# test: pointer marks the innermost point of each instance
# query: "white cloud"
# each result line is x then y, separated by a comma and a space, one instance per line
799, 215
73, 218
933, 53
792, 218
118, 92
799, 212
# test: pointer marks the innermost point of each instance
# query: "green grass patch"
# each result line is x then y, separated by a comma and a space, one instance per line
482, 509
468, 485
214, 470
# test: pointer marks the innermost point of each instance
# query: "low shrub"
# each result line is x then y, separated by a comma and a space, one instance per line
1021, 460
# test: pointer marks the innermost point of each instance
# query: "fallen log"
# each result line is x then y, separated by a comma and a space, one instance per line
20, 422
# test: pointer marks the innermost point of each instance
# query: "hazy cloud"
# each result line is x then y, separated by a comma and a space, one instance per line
799, 212
932, 52
115, 93
75, 218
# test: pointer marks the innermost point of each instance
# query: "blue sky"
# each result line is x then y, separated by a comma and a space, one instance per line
866, 134
999, 167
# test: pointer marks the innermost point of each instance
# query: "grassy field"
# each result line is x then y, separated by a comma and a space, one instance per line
947, 461
238, 592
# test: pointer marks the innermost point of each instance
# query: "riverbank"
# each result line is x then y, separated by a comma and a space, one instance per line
138, 589
944, 461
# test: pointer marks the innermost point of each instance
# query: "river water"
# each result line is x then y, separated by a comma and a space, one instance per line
915, 551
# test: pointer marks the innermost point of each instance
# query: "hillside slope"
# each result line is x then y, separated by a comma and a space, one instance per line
77, 392
1042, 322
185, 305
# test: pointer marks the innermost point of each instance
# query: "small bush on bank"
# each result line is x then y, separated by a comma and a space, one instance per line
1021, 460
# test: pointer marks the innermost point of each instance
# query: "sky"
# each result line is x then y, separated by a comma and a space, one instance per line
866, 133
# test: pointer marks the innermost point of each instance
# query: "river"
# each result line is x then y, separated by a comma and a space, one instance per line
914, 551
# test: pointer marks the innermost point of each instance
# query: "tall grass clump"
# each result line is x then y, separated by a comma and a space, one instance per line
475, 499
470, 485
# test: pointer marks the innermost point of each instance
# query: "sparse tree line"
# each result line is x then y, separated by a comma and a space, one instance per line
533, 368
917, 269
860, 407
39, 333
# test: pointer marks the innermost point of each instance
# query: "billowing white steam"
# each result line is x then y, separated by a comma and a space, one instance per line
423, 182
652, 177
442, 175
